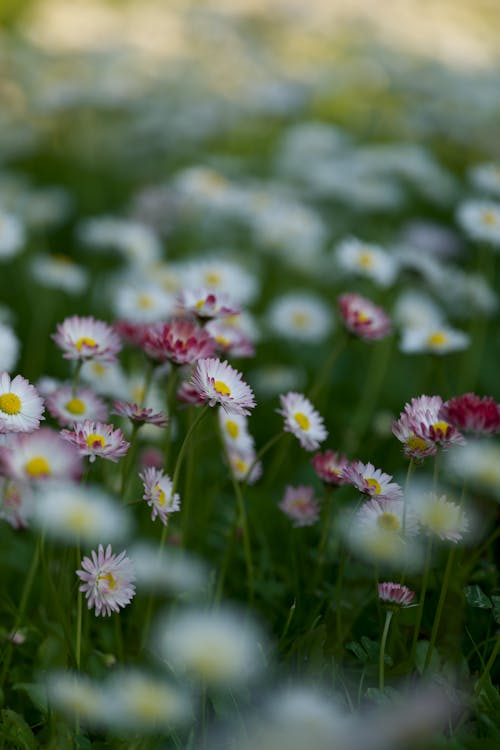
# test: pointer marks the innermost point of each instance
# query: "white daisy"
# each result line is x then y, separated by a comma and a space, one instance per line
59, 272
486, 177
436, 340
234, 429
480, 219
219, 383
9, 348
21, 408
362, 259
300, 316
144, 302
302, 420
415, 309
12, 235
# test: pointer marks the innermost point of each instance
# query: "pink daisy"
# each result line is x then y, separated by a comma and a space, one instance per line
16, 506
69, 409
21, 407
426, 423
97, 439
108, 580
158, 494
395, 594
131, 333
329, 467
229, 339
363, 318
139, 414
40, 455
219, 383
413, 445
302, 420
87, 338
472, 413
206, 303
371, 481
300, 505
180, 341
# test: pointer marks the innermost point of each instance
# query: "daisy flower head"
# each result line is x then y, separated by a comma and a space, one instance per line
302, 420
16, 503
363, 318
12, 235
85, 338
436, 340
59, 272
230, 339
425, 419
219, 383
486, 177
76, 695
471, 413
300, 316
395, 595
439, 516
415, 310
181, 341
136, 701
138, 414
158, 494
477, 463
35, 456
70, 408
241, 462
329, 466
480, 220
207, 303
362, 259
21, 408
413, 445
9, 348
142, 303
221, 647
107, 580
74, 513
131, 332
300, 505
234, 428
174, 572
371, 481
105, 379
223, 276
97, 439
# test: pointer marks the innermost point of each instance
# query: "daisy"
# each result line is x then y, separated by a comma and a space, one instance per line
87, 338
97, 439
40, 455
486, 177
436, 340
480, 219
371, 261
415, 310
180, 341
76, 695
174, 572
329, 466
395, 595
70, 408
241, 462
234, 429
105, 379
300, 316
21, 407
229, 339
59, 272
158, 494
437, 515
206, 303
131, 332
371, 481
223, 276
427, 424
478, 464
302, 420
219, 383
12, 235
142, 303
413, 445
138, 414
9, 348
472, 413
218, 647
300, 505
108, 580
74, 513
362, 318
16, 506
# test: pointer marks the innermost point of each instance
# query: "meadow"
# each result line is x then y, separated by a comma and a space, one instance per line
249, 458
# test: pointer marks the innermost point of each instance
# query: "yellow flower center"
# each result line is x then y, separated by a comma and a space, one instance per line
374, 485
222, 388
212, 278
363, 317
489, 218
438, 338
85, 341
241, 465
93, 440
200, 303
232, 429
79, 520
109, 578
137, 393
144, 301
415, 443
98, 369
300, 319
388, 522
441, 426
222, 340
75, 406
438, 517
38, 466
365, 259
302, 420
161, 495
10, 403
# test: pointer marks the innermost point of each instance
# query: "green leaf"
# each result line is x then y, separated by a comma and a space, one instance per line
496, 608
35, 692
15, 732
358, 651
476, 597
421, 655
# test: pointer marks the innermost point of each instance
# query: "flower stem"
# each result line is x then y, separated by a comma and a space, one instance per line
425, 583
439, 610
127, 462
272, 441
381, 662
490, 663
324, 372
76, 378
78, 638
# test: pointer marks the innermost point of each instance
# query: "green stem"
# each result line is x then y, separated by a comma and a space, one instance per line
76, 378
28, 584
272, 441
338, 595
490, 663
325, 533
423, 592
127, 462
78, 639
322, 376
439, 609
172, 381
381, 663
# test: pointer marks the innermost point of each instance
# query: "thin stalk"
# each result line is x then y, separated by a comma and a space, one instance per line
322, 376
338, 595
78, 637
439, 609
489, 663
411, 468
76, 378
325, 533
272, 441
381, 662
423, 592
172, 381
127, 461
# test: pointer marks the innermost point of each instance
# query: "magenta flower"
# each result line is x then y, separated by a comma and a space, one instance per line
472, 413
180, 341
371, 481
139, 414
329, 467
395, 594
363, 318
300, 505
